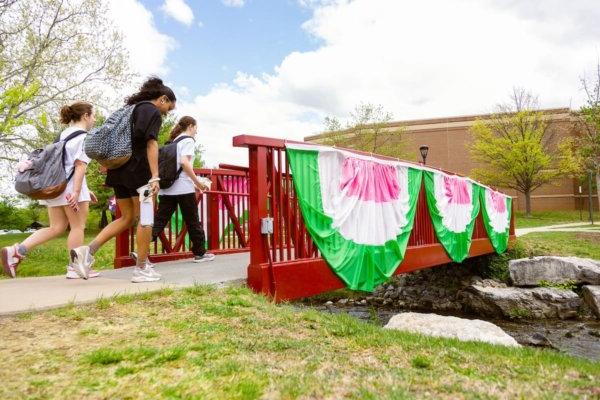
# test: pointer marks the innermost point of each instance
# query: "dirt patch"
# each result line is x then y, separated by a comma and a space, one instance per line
591, 237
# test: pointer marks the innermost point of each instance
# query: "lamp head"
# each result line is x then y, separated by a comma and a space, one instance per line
424, 149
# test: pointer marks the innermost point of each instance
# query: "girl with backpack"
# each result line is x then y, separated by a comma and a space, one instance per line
70, 208
137, 177
182, 192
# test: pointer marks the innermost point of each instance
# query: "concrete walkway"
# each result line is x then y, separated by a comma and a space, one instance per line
572, 227
34, 294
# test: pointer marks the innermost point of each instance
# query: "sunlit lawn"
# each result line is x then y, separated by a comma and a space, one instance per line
206, 343
545, 218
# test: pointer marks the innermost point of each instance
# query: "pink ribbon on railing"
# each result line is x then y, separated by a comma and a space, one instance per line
456, 190
369, 180
498, 201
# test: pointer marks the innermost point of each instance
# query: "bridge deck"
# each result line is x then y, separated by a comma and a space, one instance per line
33, 294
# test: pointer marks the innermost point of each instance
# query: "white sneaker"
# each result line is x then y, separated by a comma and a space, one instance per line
148, 264
10, 260
71, 274
82, 261
141, 275
205, 257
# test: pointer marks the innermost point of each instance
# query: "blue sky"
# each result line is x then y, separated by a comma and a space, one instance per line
223, 40
277, 68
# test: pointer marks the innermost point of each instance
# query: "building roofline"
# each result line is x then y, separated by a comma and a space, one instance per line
456, 120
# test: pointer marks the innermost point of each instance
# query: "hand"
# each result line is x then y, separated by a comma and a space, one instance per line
93, 197
73, 200
199, 187
154, 188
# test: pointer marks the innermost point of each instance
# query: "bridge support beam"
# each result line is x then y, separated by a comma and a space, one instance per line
309, 277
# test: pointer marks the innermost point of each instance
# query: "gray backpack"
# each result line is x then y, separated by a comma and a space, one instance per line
110, 143
46, 178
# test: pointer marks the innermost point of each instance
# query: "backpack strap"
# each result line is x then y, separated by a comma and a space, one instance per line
71, 136
180, 139
132, 111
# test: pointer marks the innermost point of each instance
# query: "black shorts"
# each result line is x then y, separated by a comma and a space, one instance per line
123, 192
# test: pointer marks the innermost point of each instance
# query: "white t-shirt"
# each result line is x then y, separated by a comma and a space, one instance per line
183, 184
73, 151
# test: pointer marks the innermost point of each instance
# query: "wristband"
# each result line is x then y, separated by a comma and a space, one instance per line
154, 180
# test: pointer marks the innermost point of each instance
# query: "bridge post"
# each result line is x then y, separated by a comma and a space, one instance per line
259, 277
212, 200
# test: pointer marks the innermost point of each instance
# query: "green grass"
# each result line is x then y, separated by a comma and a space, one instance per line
545, 218
579, 244
173, 345
52, 258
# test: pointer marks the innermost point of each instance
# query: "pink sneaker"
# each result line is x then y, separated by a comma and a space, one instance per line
71, 274
10, 260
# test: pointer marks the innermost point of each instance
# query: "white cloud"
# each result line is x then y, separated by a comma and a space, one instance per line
179, 10
148, 48
419, 59
234, 3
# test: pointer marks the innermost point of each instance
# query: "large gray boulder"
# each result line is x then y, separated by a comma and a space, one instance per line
511, 302
531, 271
451, 327
591, 295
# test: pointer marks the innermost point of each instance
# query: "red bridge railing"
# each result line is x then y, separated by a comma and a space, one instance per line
223, 212
287, 264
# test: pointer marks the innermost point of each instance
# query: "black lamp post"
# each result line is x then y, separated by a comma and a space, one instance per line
424, 149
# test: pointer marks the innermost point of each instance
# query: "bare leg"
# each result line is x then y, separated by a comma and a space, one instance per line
125, 221
58, 225
77, 222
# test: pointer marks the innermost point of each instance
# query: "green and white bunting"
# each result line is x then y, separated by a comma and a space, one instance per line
358, 210
496, 210
453, 204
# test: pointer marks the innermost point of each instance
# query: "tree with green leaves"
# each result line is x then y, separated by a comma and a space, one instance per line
51, 53
517, 148
368, 130
588, 143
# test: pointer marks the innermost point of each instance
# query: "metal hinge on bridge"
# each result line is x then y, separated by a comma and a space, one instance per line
266, 226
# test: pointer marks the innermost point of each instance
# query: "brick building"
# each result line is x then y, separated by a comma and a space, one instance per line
448, 140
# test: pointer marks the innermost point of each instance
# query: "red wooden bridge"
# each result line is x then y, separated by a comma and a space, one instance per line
285, 265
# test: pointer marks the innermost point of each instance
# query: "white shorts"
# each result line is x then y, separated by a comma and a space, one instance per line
61, 199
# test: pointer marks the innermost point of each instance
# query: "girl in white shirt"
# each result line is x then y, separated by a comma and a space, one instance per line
183, 191
71, 207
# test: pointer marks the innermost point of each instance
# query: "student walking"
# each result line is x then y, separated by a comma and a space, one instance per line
137, 177
182, 192
70, 208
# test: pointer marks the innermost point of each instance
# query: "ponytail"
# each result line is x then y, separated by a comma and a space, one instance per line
181, 126
74, 112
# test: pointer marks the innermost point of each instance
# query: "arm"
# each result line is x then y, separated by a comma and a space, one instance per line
152, 152
187, 167
78, 176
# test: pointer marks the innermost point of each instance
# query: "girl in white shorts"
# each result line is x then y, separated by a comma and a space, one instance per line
70, 208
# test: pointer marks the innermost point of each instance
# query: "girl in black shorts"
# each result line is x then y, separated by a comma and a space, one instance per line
153, 101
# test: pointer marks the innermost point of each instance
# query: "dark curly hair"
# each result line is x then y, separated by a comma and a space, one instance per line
151, 89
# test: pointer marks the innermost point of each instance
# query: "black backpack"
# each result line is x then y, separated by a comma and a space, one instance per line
167, 163
46, 177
